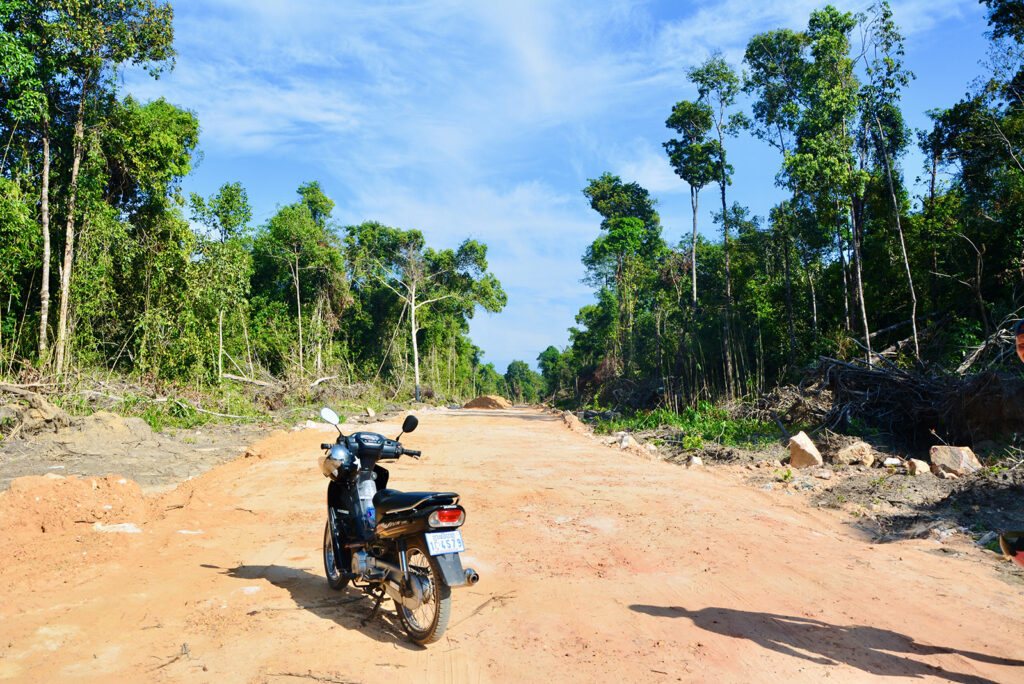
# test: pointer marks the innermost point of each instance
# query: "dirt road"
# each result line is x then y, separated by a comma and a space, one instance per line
595, 566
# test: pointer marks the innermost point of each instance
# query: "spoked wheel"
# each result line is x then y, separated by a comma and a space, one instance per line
332, 568
426, 623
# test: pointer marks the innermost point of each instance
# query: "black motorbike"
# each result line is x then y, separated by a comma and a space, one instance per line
402, 545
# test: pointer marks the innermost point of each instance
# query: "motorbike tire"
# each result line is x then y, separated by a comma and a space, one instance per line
333, 569
426, 624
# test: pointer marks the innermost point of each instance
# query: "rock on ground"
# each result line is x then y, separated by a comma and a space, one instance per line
916, 466
858, 453
803, 453
956, 460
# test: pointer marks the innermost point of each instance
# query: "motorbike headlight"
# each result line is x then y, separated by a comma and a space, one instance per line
338, 460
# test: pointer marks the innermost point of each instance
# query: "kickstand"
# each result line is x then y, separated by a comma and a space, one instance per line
376, 608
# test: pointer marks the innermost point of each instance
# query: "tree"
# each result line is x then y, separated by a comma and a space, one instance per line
717, 87
22, 92
694, 159
623, 254
522, 382
90, 40
292, 238
879, 102
421, 277
227, 212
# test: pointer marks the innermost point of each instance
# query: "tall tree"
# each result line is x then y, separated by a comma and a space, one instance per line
693, 158
718, 86
92, 40
421, 277
625, 251
883, 63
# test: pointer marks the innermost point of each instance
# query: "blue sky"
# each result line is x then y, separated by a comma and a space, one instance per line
485, 119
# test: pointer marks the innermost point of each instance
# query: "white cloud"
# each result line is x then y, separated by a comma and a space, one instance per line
479, 119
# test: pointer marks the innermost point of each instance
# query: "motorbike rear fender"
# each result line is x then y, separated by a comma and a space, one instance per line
451, 569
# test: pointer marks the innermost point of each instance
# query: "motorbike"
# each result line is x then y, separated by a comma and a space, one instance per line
391, 544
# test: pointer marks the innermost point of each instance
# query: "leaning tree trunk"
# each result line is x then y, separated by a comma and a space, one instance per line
69, 238
899, 232
44, 209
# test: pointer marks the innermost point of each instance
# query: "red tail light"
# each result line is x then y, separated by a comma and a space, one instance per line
447, 517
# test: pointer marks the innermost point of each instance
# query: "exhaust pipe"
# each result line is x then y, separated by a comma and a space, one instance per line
471, 576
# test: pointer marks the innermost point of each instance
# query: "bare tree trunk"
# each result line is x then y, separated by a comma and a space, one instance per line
789, 300
44, 207
814, 298
69, 236
726, 333
843, 267
220, 345
693, 244
860, 280
899, 232
415, 344
298, 306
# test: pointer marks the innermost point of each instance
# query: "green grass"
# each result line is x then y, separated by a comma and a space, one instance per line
705, 423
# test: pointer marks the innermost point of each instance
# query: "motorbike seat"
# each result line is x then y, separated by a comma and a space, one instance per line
392, 500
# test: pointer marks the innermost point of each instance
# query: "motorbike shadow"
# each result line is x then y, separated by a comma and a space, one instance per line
348, 608
876, 651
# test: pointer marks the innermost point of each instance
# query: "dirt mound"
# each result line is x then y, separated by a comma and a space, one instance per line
50, 503
488, 401
573, 423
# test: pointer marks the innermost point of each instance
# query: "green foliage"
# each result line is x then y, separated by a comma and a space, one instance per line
705, 422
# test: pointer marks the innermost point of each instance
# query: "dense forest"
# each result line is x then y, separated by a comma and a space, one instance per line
105, 264
851, 264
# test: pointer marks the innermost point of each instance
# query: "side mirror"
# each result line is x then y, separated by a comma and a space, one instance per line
410, 423
330, 416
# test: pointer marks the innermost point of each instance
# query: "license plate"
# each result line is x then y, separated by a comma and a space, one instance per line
445, 542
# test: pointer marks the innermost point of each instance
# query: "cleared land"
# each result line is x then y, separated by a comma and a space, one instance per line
596, 565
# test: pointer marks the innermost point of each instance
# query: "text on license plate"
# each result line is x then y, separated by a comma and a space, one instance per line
445, 542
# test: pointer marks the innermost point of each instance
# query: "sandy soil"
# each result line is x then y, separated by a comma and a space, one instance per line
596, 565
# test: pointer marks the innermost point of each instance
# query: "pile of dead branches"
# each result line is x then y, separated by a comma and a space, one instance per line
919, 409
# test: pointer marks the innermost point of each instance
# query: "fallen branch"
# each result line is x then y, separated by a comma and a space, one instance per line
310, 675
251, 381
319, 380
186, 405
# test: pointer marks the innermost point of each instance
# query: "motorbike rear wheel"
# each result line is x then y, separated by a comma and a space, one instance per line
427, 623
332, 568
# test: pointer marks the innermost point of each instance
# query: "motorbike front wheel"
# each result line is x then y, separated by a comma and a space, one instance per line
332, 568
427, 623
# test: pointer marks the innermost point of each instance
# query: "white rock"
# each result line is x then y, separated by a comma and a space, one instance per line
823, 474
370, 412
130, 528
695, 462
628, 441
892, 461
802, 452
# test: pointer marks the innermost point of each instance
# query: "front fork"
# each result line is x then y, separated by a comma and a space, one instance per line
332, 523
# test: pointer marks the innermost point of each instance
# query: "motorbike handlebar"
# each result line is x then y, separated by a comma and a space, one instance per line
325, 445
412, 452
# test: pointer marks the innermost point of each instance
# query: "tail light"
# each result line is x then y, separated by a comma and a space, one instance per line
447, 517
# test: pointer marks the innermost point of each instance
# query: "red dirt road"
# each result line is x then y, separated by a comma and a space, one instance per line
595, 566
